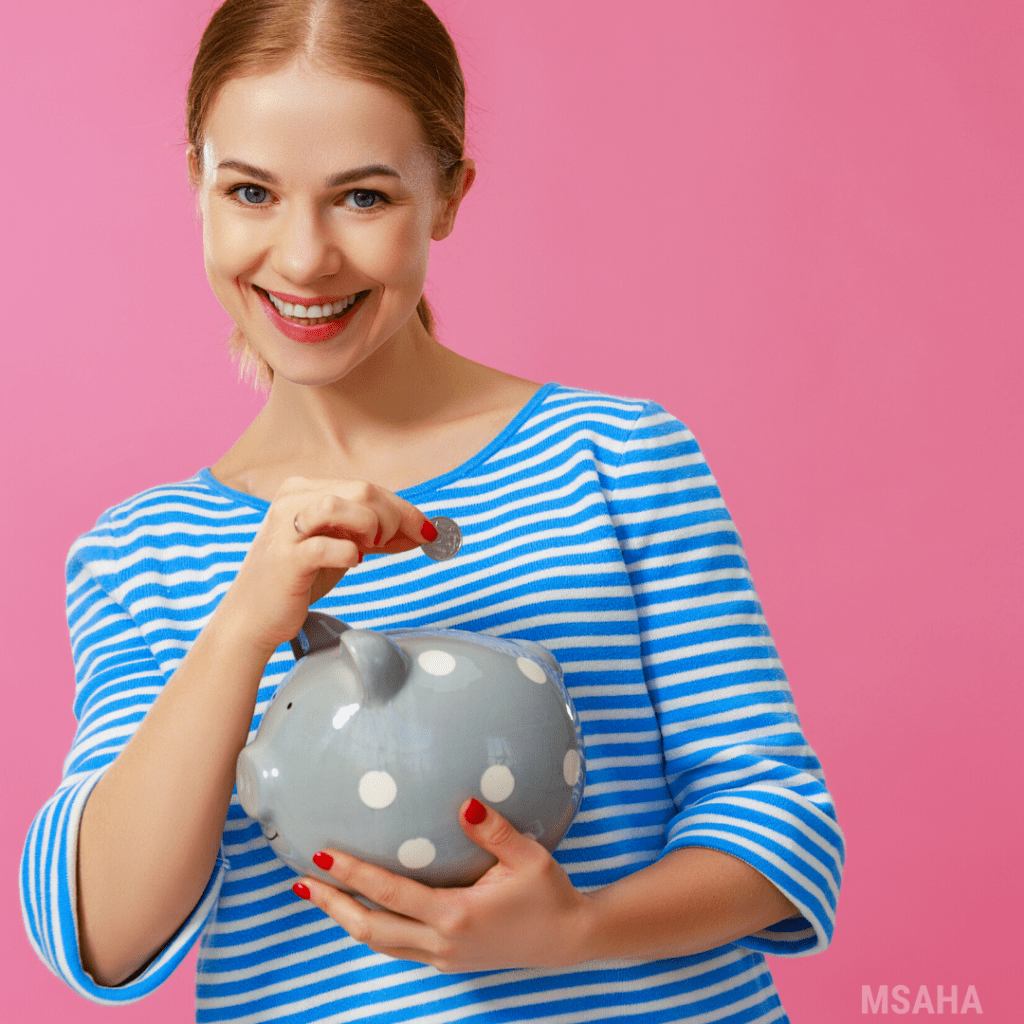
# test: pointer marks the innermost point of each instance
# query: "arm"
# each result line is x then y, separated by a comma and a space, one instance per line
118, 677
690, 901
159, 811
152, 771
525, 912
743, 779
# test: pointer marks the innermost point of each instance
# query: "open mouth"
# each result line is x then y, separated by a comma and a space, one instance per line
313, 316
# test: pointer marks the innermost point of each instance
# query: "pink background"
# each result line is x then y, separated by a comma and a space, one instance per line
796, 225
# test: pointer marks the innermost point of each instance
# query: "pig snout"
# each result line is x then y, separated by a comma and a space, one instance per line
255, 777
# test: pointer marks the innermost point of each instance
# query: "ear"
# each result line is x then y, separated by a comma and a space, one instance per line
192, 162
446, 217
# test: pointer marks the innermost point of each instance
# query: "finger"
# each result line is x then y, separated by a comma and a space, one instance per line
403, 526
393, 892
334, 516
399, 526
321, 552
381, 930
488, 829
415, 529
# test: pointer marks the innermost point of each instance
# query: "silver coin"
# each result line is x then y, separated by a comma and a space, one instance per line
449, 540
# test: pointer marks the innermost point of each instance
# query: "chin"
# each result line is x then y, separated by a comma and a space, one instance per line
311, 377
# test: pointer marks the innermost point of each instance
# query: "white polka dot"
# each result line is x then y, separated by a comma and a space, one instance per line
437, 663
531, 670
571, 767
416, 853
377, 790
497, 783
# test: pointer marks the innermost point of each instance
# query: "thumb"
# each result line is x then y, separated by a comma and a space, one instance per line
487, 828
324, 582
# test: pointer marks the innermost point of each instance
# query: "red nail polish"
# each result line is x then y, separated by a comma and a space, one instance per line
360, 557
429, 530
380, 533
323, 860
301, 890
475, 812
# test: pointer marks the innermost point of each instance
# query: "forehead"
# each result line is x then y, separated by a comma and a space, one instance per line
300, 120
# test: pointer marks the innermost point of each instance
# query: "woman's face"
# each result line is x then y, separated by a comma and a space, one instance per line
317, 192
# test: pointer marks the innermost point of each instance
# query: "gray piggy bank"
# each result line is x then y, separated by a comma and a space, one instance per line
374, 740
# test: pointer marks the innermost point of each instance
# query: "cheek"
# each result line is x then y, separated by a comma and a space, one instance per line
227, 246
392, 250
401, 257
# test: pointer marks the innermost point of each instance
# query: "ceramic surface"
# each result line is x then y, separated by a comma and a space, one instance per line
374, 740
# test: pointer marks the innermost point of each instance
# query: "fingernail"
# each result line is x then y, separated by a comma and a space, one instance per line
475, 812
429, 530
323, 860
301, 890
380, 533
360, 557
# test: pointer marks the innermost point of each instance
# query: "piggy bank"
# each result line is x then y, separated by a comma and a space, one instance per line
374, 740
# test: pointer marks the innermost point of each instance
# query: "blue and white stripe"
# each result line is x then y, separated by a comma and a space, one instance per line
591, 525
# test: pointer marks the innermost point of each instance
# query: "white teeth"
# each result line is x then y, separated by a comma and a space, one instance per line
312, 312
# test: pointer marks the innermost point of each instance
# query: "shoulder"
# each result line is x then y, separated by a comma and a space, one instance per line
621, 423
642, 452
187, 512
561, 400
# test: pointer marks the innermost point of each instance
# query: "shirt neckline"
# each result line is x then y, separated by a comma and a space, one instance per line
427, 486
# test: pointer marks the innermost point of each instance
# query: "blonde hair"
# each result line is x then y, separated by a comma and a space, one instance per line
399, 44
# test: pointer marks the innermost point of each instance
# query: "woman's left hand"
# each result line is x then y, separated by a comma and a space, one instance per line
523, 912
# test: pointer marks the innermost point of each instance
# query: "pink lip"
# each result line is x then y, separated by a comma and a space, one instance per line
308, 335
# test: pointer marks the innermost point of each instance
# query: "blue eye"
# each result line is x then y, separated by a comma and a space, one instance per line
364, 198
252, 195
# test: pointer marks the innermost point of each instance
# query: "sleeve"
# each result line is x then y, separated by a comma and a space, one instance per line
742, 777
117, 680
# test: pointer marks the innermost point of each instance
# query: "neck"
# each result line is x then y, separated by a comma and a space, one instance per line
411, 381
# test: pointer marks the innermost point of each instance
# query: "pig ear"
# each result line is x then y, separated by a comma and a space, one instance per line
381, 664
319, 632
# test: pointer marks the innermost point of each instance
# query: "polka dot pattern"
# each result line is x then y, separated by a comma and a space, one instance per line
571, 767
532, 670
377, 790
437, 663
416, 853
497, 783
482, 716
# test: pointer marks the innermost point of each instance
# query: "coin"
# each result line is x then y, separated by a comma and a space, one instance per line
448, 542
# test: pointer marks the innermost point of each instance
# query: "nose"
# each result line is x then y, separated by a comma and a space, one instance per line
305, 249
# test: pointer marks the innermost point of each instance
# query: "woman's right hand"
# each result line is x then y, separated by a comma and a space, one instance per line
314, 531
164, 799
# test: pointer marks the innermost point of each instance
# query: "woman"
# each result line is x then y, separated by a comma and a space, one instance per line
326, 146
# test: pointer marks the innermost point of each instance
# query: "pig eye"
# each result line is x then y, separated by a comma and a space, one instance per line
289, 707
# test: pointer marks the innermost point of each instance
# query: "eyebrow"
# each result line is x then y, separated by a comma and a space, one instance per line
341, 178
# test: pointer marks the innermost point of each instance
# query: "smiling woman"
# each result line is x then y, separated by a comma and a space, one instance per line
408, 52
282, 218
326, 149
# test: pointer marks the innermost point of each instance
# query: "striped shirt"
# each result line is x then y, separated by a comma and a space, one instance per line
591, 525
